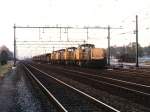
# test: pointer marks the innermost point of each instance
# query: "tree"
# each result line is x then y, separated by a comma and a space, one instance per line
131, 49
126, 53
147, 50
129, 54
5, 55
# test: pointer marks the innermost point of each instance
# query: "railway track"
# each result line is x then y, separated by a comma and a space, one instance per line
140, 88
65, 97
135, 77
136, 92
139, 73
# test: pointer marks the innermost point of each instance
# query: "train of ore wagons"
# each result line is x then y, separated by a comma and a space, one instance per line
85, 55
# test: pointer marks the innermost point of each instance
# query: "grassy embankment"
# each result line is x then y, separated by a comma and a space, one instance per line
4, 69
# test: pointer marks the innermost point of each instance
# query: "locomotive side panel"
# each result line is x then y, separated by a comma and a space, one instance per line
97, 54
78, 54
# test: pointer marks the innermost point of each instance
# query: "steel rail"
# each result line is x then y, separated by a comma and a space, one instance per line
139, 73
58, 104
110, 108
125, 88
118, 80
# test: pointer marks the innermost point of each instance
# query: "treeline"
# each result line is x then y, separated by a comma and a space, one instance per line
128, 53
5, 55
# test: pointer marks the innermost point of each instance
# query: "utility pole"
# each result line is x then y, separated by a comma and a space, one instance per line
14, 45
108, 46
137, 53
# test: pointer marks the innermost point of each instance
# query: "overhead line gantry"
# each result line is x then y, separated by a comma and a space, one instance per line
63, 27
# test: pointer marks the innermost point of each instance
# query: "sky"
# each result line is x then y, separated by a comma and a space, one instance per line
116, 13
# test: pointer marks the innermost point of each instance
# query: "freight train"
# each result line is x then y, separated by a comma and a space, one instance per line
85, 55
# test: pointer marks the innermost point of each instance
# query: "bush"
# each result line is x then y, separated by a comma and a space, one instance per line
3, 57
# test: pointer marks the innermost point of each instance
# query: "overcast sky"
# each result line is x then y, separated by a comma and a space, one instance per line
115, 13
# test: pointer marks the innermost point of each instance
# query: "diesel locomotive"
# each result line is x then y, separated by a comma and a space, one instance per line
85, 55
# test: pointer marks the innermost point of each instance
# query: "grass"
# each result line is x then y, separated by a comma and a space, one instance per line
4, 69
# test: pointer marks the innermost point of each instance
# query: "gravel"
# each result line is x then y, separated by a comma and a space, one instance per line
122, 104
18, 94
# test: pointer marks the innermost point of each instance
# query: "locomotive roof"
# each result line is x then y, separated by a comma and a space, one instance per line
87, 45
61, 50
71, 48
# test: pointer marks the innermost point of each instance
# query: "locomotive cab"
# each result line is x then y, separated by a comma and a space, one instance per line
70, 55
61, 56
87, 55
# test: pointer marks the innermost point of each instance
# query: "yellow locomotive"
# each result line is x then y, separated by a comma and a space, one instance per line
69, 55
85, 55
88, 55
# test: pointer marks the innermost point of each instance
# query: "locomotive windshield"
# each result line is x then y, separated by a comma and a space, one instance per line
86, 46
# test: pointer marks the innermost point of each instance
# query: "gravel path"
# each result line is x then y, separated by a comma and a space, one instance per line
8, 92
18, 95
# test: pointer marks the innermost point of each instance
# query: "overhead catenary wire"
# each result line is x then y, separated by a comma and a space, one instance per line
34, 43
